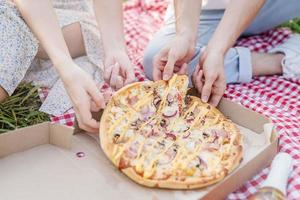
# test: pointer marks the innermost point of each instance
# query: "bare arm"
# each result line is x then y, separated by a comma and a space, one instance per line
40, 17
118, 70
110, 19
237, 17
180, 50
187, 14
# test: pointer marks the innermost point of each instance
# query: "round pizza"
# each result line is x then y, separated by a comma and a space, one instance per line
159, 136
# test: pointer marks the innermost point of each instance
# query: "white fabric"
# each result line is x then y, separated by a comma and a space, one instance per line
214, 4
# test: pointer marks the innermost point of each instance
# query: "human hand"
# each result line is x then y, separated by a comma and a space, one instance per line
172, 58
118, 70
209, 77
85, 96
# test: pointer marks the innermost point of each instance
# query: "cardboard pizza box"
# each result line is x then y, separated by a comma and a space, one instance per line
41, 162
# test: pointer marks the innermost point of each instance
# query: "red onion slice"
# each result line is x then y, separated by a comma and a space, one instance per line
186, 135
171, 135
202, 162
170, 98
169, 112
169, 157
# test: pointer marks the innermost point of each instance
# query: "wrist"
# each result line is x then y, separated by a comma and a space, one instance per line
216, 49
64, 68
188, 34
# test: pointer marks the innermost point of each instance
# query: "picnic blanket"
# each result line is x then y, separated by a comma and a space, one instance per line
274, 96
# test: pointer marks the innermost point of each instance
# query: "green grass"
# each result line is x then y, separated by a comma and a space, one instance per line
294, 25
21, 109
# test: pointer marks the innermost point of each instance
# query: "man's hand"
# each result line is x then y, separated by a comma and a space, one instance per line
85, 96
171, 59
209, 77
118, 70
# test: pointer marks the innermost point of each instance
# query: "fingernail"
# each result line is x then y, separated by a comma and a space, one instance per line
166, 77
205, 99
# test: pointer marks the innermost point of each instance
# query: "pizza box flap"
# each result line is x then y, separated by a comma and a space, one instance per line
59, 174
32, 136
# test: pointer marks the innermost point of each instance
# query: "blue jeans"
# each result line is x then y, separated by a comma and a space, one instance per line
237, 63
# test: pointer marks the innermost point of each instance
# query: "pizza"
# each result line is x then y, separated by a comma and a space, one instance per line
159, 136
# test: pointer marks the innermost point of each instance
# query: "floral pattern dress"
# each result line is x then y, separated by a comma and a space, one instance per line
18, 49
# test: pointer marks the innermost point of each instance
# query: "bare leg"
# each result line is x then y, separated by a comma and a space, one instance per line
3, 94
266, 64
74, 39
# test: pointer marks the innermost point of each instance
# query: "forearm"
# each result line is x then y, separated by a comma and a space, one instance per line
110, 21
237, 17
187, 14
40, 17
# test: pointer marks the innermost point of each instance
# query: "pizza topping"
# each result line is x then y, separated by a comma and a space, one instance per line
190, 118
170, 98
145, 109
116, 137
146, 113
156, 101
190, 145
205, 135
129, 133
163, 123
171, 135
186, 134
211, 146
146, 131
187, 100
167, 157
202, 162
132, 100
169, 111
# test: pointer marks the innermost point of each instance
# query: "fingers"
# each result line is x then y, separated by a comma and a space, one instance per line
206, 90
96, 95
158, 65
183, 69
83, 114
218, 91
169, 68
107, 73
120, 82
114, 75
130, 78
198, 81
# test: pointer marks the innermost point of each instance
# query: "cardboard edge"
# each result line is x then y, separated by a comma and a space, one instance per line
236, 112
24, 139
245, 173
61, 135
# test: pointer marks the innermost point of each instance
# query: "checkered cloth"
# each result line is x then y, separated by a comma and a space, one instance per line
274, 96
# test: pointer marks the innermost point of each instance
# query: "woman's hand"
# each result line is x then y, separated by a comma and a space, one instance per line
171, 59
209, 77
118, 70
85, 96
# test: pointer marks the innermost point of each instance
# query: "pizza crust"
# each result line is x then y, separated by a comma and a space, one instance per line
171, 183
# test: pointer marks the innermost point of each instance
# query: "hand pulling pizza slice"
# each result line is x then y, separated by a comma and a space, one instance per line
160, 137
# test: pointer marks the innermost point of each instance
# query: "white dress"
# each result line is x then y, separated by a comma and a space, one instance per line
19, 47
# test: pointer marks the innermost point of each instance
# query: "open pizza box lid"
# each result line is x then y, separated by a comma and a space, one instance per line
40, 162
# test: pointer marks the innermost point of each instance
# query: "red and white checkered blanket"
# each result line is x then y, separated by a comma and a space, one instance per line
274, 96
